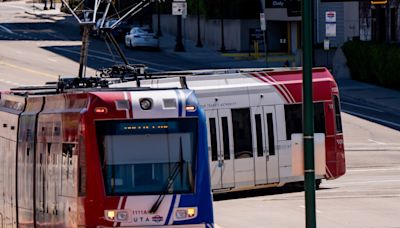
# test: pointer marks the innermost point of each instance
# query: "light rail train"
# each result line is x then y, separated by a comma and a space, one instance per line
254, 120
103, 157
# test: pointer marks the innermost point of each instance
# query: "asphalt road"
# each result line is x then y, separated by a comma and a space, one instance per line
35, 49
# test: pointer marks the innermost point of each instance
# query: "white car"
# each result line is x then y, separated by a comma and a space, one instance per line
141, 37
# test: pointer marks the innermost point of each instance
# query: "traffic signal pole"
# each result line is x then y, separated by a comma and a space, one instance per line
308, 115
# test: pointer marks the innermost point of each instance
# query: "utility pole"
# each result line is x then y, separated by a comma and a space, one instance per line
222, 27
179, 45
159, 33
308, 115
199, 44
84, 50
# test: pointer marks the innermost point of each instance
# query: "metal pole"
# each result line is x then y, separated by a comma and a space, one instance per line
84, 51
265, 48
222, 27
308, 115
199, 44
179, 45
159, 33
116, 46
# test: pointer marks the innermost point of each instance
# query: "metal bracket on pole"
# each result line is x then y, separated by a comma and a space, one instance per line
83, 18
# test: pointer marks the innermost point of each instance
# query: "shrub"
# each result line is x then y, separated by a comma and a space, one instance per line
374, 62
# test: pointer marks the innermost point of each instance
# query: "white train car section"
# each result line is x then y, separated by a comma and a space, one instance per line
254, 125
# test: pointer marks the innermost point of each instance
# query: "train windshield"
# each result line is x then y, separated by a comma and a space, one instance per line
148, 156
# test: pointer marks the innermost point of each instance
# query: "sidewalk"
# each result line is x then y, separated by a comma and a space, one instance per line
218, 59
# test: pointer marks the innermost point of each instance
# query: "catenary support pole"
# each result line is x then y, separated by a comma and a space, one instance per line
199, 44
159, 33
223, 49
84, 51
308, 115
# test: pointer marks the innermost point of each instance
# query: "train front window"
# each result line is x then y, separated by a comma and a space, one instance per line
148, 156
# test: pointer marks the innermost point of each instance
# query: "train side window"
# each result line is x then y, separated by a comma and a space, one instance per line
337, 115
271, 136
293, 117
68, 169
319, 118
82, 167
213, 137
242, 137
225, 138
259, 135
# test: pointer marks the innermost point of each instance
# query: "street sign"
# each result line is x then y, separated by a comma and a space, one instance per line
262, 22
275, 3
256, 35
330, 16
330, 30
326, 45
179, 8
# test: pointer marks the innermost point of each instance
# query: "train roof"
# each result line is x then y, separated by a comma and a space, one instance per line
20, 98
224, 78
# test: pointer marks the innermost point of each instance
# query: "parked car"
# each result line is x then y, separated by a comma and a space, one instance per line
118, 32
141, 37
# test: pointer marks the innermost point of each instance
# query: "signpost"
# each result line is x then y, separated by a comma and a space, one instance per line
179, 8
330, 26
330, 16
330, 30
262, 22
256, 37
263, 26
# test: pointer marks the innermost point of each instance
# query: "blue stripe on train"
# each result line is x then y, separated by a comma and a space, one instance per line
171, 209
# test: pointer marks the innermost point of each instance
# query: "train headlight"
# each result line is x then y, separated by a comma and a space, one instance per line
117, 215
191, 212
191, 108
185, 213
101, 110
146, 103
110, 215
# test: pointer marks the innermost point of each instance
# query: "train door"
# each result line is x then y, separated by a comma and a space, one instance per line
40, 176
264, 131
259, 145
242, 147
272, 141
219, 127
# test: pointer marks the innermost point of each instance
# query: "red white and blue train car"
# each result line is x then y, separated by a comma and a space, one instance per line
254, 120
104, 158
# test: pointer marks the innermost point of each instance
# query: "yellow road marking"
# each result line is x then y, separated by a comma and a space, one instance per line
28, 70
